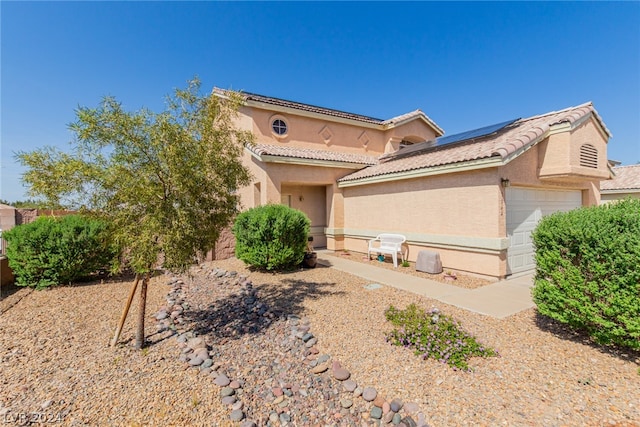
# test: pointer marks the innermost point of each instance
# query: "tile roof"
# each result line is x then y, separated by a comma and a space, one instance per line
311, 154
626, 178
334, 113
502, 144
410, 116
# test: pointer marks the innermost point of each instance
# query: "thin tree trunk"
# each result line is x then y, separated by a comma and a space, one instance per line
125, 312
141, 309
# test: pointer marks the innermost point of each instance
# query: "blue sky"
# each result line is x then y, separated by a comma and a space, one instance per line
465, 65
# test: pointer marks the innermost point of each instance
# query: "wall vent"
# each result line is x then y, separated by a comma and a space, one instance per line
589, 156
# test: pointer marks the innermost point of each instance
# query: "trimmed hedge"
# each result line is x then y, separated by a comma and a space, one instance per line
271, 237
588, 271
51, 251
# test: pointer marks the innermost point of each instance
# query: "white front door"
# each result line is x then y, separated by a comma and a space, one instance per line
525, 208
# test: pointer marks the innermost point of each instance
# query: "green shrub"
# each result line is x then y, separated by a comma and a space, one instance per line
434, 335
271, 237
587, 273
50, 251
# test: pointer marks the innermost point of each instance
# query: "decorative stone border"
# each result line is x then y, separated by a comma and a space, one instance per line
196, 353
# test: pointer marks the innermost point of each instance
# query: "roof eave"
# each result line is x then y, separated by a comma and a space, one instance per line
620, 191
470, 165
569, 126
290, 160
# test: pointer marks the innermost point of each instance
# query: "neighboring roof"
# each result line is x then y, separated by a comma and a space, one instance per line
3, 206
626, 178
502, 146
389, 123
287, 152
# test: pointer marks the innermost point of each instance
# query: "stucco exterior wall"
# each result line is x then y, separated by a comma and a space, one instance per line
306, 132
313, 202
453, 258
461, 204
614, 197
459, 215
524, 172
588, 133
559, 154
319, 133
316, 185
414, 131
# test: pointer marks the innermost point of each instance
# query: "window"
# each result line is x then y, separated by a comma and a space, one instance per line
279, 127
589, 156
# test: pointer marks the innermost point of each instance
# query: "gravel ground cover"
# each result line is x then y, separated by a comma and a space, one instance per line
55, 360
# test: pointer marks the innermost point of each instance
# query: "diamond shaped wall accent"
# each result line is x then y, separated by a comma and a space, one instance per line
364, 139
326, 134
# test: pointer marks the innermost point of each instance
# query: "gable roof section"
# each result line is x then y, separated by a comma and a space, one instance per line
309, 156
267, 102
491, 150
626, 178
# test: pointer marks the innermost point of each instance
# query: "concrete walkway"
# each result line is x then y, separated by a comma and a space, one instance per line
499, 299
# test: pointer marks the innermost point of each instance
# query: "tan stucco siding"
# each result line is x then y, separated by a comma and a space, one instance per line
456, 259
588, 133
317, 186
461, 204
614, 197
553, 154
559, 154
309, 199
255, 194
306, 132
524, 172
416, 131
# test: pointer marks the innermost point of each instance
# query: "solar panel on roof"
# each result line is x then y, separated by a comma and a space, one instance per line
471, 134
448, 140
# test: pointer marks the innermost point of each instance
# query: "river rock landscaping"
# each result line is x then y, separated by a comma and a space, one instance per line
230, 346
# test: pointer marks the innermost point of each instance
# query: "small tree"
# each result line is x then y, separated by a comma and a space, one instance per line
165, 181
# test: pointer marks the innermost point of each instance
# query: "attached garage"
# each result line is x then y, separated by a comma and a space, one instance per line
525, 208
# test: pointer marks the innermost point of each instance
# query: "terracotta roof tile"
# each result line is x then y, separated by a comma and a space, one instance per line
627, 178
504, 143
311, 154
412, 115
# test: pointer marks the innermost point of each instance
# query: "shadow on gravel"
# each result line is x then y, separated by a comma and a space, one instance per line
254, 311
564, 332
8, 290
156, 338
10, 295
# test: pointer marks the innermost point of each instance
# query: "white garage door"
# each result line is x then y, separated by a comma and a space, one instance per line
525, 207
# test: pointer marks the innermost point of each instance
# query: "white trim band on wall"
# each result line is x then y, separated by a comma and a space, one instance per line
476, 244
